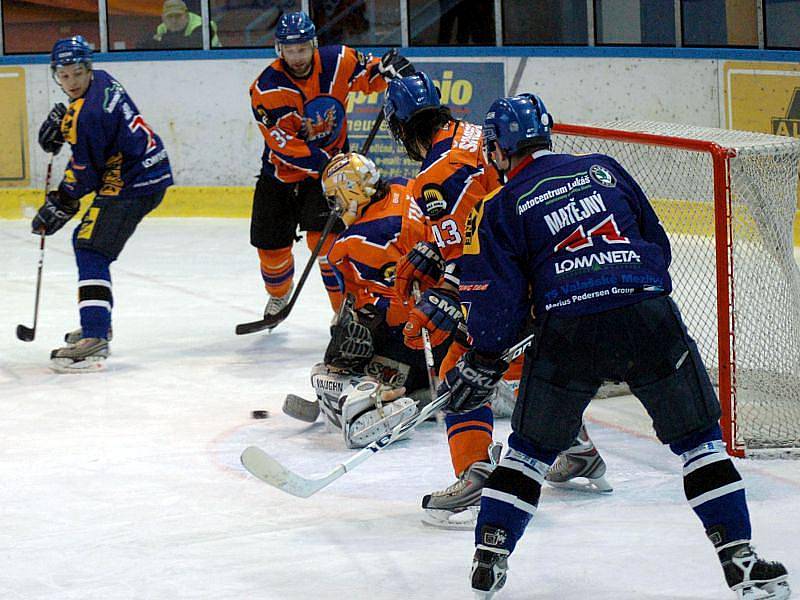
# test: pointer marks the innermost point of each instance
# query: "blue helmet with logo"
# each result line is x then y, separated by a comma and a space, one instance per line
70, 51
517, 122
406, 96
295, 28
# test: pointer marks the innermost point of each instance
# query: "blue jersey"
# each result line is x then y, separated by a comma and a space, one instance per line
114, 151
568, 235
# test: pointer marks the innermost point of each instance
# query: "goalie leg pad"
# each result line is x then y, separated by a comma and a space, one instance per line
364, 419
328, 385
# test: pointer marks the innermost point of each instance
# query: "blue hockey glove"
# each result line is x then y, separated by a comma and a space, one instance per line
394, 65
50, 137
438, 311
471, 382
423, 263
54, 213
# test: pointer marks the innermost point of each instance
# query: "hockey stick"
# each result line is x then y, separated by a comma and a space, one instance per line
433, 379
271, 321
27, 334
267, 469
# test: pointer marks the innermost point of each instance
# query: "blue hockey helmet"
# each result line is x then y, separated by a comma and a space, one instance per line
516, 122
295, 28
70, 51
408, 95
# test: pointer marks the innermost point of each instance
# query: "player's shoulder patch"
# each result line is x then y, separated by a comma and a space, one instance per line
264, 117
602, 176
432, 200
112, 94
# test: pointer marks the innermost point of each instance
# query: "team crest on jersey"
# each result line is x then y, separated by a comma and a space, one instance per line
323, 120
602, 176
433, 201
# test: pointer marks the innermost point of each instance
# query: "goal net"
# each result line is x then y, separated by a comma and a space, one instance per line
728, 201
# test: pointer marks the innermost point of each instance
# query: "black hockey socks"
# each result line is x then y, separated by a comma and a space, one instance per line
511, 494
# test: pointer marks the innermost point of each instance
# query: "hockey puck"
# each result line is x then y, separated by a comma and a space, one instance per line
260, 414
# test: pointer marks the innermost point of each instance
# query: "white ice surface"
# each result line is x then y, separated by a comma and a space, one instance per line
126, 483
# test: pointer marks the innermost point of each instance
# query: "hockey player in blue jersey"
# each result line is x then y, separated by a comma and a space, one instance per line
116, 156
573, 240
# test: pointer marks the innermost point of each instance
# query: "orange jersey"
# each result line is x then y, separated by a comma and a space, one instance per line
365, 254
304, 121
453, 178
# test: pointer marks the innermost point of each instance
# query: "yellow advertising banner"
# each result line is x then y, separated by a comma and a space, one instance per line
762, 96
13, 128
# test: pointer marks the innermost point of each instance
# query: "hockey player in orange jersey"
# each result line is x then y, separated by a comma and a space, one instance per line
454, 176
381, 222
298, 102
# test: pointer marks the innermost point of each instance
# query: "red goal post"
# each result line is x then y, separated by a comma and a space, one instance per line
727, 200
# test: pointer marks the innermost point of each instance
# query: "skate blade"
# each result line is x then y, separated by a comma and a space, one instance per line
774, 590
87, 365
445, 519
479, 595
599, 485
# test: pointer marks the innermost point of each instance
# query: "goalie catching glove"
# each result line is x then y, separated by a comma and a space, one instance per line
351, 346
394, 65
50, 137
471, 382
54, 213
438, 311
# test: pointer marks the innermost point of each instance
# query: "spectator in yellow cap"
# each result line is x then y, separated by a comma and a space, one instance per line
181, 28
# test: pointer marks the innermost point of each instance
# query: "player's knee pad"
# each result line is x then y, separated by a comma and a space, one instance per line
504, 398
682, 403
547, 415
328, 385
365, 418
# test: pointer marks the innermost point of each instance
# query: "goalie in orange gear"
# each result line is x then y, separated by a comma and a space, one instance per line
381, 222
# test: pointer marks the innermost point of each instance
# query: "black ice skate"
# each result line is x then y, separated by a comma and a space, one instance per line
490, 563
753, 578
86, 355
580, 467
